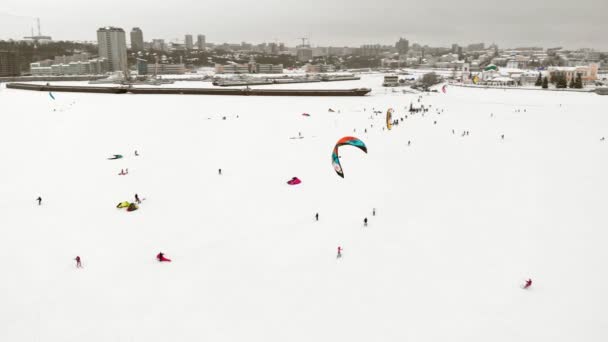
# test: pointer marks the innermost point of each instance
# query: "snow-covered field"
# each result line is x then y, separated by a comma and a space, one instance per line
460, 221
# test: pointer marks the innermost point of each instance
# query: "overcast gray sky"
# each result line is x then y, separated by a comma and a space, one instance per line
509, 23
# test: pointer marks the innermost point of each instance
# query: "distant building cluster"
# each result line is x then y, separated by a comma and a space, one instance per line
77, 64
157, 56
89, 67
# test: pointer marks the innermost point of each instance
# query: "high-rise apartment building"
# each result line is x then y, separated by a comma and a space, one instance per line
137, 39
200, 42
113, 47
188, 42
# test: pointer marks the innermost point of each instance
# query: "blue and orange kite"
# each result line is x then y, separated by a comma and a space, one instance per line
335, 159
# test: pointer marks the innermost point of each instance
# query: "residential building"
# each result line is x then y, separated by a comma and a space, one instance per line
159, 45
188, 43
269, 68
9, 64
232, 69
77, 57
402, 46
588, 73
166, 69
90, 67
370, 50
137, 39
200, 42
303, 53
113, 47
142, 67
476, 47
319, 68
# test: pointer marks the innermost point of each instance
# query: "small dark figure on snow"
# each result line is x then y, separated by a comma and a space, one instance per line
219, 171
39, 199
136, 154
527, 284
137, 199
374, 212
78, 263
339, 252
603, 138
409, 143
365, 222
317, 217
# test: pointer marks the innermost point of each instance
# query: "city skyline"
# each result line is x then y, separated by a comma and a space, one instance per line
513, 24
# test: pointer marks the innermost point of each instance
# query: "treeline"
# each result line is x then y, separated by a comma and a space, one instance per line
560, 81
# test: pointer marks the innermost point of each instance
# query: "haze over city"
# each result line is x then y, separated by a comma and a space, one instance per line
338, 23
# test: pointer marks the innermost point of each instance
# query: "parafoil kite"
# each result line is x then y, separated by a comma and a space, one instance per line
294, 181
389, 118
444, 88
335, 159
116, 156
51, 95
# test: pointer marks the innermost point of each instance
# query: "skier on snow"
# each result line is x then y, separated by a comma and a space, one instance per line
339, 252
527, 284
78, 263
39, 199
137, 199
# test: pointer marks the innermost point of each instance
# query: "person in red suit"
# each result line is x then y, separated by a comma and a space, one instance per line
78, 263
161, 257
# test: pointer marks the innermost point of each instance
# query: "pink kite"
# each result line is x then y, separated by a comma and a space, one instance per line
294, 181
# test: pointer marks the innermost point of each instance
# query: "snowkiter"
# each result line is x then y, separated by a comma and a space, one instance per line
339, 252
374, 212
365, 222
527, 284
137, 199
219, 172
39, 199
78, 263
317, 217
161, 257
